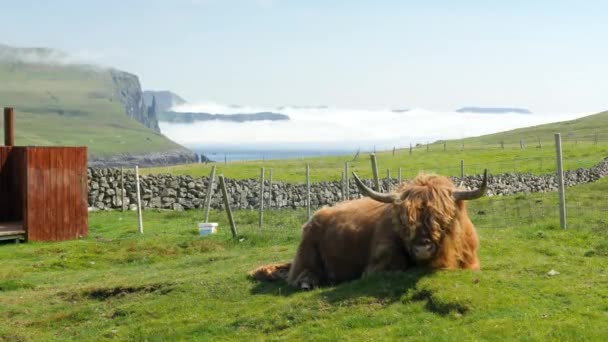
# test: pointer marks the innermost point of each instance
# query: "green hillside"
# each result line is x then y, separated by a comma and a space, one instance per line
73, 105
582, 129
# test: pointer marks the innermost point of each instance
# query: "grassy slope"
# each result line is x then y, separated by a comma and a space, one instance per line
582, 129
170, 284
39, 92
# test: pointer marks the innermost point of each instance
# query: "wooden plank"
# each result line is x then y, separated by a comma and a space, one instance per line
70, 184
31, 200
38, 228
11, 228
83, 217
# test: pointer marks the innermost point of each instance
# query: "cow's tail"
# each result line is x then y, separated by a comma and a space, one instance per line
271, 272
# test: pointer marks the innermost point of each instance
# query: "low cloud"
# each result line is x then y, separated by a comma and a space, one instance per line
340, 128
48, 56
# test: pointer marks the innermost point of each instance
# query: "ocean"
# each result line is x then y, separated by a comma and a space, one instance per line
232, 154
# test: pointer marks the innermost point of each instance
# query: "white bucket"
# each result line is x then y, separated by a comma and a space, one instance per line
207, 228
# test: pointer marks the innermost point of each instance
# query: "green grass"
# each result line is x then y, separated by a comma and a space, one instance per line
170, 284
535, 160
68, 105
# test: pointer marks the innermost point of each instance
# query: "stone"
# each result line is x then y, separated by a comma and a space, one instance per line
155, 202
169, 193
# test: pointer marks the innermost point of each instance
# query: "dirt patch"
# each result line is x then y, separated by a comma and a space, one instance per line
120, 291
442, 308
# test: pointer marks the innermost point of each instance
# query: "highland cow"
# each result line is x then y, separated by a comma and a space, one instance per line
421, 223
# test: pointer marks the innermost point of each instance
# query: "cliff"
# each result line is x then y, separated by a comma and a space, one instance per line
128, 91
62, 101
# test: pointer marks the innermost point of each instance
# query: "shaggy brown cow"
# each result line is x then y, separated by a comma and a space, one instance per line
424, 222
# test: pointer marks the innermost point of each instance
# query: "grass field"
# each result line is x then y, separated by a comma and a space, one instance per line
535, 160
69, 105
170, 284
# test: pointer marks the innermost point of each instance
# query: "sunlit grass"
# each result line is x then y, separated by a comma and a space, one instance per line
171, 284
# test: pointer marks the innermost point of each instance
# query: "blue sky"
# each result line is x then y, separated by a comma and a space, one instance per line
549, 56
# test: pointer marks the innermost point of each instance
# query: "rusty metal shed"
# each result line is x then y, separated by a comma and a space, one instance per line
43, 190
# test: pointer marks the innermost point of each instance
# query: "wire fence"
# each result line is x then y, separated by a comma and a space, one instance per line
522, 190
516, 197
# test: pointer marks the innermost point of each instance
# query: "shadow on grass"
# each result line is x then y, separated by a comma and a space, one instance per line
383, 288
386, 287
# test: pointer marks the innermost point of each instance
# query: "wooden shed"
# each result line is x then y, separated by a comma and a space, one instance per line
43, 190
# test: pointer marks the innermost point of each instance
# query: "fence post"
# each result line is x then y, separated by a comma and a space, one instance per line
261, 221
308, 190
346, 188
9, 126
227, 205
388, 180
342, 185
444, 146
209, 193
540, 145
595, 139
521, 144
122, 189
375, 172
410, 149
225, 159
140, 223
502, 144
270, 188
461, 168
462, 146
427, 146
399, 176
560, 181
393, 151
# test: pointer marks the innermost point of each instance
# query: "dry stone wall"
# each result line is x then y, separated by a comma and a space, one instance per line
166, 191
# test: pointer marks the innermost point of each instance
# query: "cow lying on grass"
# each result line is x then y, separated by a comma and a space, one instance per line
424, 223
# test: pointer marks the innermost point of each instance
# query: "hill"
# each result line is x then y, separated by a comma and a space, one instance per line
60, 102
587, 128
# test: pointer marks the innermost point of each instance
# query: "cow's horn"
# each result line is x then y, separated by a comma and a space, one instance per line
378, 196
465, 195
